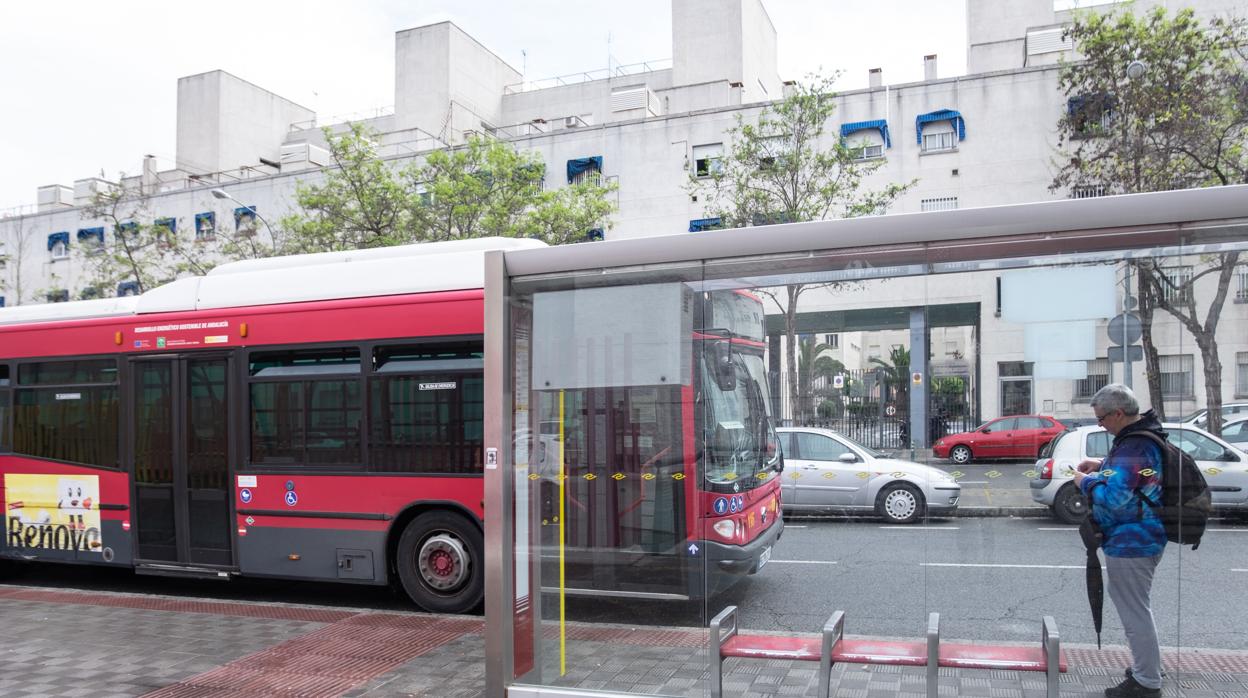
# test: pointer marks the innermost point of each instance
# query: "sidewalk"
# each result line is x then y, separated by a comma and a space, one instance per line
64, 643
78, 644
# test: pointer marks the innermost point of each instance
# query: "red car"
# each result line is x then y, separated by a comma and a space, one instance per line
1019, 436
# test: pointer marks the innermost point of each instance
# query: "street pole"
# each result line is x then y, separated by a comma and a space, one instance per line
1126, 302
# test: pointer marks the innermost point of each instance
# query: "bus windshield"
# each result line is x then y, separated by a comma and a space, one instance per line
741, 444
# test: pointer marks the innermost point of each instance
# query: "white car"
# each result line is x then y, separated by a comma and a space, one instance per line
1230, 411
827, 472
1224, 466
1235, 431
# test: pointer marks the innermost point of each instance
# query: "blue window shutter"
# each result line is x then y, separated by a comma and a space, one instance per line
86, 234
701, 224
248, 212
61, 237
579, 165
170, 223
127, 227
128, 288
953, 117
1, 301
594, 235
877, 125
205, 223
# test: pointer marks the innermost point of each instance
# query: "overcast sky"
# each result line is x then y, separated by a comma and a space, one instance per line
87, 86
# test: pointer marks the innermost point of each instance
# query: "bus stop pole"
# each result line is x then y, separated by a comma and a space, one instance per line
499, 482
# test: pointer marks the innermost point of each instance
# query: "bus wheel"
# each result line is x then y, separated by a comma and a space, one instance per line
441, 563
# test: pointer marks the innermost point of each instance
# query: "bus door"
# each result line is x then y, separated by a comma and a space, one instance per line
179, 449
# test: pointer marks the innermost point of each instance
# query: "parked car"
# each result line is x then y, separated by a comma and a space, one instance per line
1236, 432
1017, 436
826, 471
1225, 468
1200, 419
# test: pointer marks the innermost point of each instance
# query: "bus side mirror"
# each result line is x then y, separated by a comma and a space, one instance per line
725, 371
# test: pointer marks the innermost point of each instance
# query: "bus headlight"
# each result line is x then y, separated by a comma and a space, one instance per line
726, 528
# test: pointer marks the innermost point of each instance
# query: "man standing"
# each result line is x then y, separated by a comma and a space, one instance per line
1134, 537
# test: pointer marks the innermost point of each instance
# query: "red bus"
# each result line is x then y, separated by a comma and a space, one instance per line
315, 417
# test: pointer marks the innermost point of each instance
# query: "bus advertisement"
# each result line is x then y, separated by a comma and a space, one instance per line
320, 418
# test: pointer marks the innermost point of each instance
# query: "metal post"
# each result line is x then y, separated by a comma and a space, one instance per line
1126, 349
499, 483
933, 655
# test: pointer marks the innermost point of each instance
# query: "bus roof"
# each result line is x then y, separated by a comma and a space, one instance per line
420, 268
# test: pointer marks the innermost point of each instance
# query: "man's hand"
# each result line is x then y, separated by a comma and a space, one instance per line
1082, 470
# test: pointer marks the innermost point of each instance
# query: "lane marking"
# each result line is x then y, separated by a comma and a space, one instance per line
788, 526
1026, 567
1227, 530
803, 562
904, 527
1066, 528
972, 482
1235, 570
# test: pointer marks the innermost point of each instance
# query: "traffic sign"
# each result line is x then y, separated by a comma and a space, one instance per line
1136, 353
1128, 323
890, 410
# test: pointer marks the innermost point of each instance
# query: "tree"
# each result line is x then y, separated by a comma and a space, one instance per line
1179, 120
13, 259
813, 364
483, 188
781, 168
896, 374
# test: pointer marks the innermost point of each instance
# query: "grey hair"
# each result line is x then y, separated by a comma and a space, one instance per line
1117, 396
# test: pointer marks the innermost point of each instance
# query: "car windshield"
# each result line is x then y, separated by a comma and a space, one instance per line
741, 442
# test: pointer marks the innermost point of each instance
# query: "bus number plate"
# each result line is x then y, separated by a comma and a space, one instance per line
764, 557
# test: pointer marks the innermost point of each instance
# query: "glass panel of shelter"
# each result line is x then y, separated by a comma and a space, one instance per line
992, 578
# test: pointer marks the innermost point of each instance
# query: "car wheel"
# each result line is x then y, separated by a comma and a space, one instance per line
900, 503
960, 454
441, 562
1070, 506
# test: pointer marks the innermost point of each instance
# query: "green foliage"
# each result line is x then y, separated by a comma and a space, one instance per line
896, 375
1182, 123
784, 167
482, 189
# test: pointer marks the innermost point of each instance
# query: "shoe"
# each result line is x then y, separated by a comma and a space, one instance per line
1130, 689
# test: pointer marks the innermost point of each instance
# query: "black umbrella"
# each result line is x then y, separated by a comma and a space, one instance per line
1092, 537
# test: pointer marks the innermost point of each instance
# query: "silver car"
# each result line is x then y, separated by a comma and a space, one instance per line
827, 472
1224, 466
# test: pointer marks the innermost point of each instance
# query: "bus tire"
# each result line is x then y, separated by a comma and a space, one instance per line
441, 562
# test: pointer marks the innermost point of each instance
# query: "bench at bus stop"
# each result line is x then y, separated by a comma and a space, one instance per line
832, 648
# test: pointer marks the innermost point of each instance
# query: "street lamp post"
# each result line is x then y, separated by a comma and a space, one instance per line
223, 194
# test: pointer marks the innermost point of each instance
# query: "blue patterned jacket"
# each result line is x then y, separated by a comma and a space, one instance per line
1131, 527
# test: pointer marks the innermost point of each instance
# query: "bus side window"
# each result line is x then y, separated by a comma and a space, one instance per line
306, 406
4, 409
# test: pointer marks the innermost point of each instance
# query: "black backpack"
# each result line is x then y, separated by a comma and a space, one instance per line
1185, 499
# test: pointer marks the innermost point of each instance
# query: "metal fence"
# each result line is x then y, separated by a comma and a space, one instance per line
873, 406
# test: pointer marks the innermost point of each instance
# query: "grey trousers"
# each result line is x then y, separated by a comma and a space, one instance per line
1130, 583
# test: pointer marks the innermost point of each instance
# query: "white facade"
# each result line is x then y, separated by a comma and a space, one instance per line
651, 123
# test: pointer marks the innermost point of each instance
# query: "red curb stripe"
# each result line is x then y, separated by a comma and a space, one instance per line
179, 606
328, 661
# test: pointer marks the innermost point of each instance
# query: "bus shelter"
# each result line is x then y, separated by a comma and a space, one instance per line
639, 481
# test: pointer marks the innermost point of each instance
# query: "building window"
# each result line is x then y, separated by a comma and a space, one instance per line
166, 229
1087, 191
1176, 376
941, 140
942, 203
939, 130
1090, 115
832, 340
58, 295
245, 220
708, 159
91, 239
701, 224
1175, 284
867, 151
1241, 284
585, 170
1, 301
58, 245
127, 228
205, 225
1241, 371
127, 288
1098, 377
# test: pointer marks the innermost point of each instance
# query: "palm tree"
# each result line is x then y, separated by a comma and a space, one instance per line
812, 364
896, 373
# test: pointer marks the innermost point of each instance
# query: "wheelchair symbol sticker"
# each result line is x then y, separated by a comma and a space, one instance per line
245, 496
291, 498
